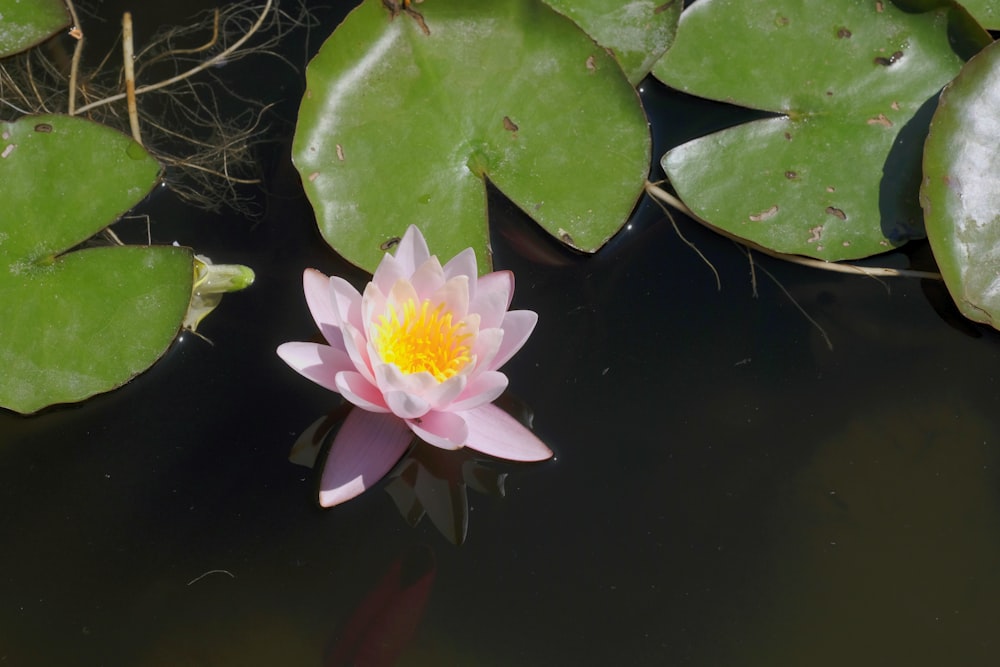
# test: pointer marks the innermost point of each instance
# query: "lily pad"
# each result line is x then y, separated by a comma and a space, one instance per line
25, 23
404, 126
638, 32
78, 322
961, 187
837, 175
987, 12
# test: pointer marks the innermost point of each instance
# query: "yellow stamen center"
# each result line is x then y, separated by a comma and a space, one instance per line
424, 339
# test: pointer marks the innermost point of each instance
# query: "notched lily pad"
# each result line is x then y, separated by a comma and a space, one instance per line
399, 126
638, 32
961, 187
78, 322
837, 175
25, 23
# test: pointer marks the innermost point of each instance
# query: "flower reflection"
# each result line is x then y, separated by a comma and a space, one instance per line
432, 482
418, 353
428, 481
386, 620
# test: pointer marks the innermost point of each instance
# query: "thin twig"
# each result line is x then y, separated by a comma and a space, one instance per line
128, 58
221, 56
77, 32
822, 331
677, 230
659, 193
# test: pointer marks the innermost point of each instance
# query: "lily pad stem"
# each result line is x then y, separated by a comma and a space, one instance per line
658, 193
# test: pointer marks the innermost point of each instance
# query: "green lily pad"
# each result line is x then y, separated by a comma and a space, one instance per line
638, 32
85, 321
402, 127
961, 187
987, 12
837, 175
25, 23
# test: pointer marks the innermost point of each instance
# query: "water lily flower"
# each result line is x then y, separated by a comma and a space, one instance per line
418, 354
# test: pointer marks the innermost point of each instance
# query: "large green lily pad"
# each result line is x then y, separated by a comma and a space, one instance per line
399, 127
81, 322
638, 32
837, 175
25, 23
961, 187
987, 12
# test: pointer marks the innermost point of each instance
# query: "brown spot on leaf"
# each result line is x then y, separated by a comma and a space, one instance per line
766, 214
894, 106
565, 237
791, 175
843, 33
836, 212
340, 152
788, 136
814, 234
891, 60
830, 188
880, 120
389, 243
879, 7
510, 125
313, 176
781, 21
44, 128
591, 64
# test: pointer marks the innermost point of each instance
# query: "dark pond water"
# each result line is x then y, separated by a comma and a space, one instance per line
726, 489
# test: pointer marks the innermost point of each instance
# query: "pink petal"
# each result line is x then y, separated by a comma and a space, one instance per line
346, 301
364, 450
517, 326
454, 294
492, 431
402, 291
492, 297
359, 391
441, 395
388, 272
486, 346
389, 378
405, 405
462, 264
446, 430
356, 346
428, 278
372, 308
316, 287
485, 388
319, 363
412, 250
